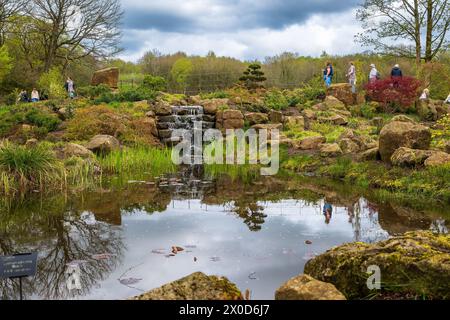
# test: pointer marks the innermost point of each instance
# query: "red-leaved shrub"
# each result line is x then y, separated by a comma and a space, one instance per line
394, 94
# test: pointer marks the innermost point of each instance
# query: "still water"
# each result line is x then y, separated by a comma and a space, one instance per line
118, 240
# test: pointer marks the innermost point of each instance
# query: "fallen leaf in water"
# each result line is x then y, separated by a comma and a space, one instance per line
129, 281
308, 242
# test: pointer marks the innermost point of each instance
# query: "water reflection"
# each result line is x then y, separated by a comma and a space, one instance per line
255, 234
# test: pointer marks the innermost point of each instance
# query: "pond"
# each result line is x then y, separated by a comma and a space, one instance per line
118, 240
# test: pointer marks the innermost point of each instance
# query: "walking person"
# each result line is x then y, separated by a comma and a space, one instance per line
23, 96
34, 95
70, 88
374, 75
396, 75
328, 74
351, 75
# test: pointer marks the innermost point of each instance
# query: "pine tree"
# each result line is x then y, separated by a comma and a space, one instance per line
253, 77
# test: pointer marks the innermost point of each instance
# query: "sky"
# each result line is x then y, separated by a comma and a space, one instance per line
243, 29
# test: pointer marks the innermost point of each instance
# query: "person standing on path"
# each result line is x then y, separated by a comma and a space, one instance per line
34, 95
328, 74
374, 75
70, 88
351, 75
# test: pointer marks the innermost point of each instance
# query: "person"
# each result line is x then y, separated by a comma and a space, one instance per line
23, 96
396, 75
351, 75
70, 88
327, 212
374, 75
425, 95
34, 95
328, 74
447, 101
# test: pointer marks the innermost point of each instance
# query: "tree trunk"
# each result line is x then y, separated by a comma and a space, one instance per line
417, 32
428, 49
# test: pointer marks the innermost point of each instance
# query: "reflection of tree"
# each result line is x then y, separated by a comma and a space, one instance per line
63, 239
251, 212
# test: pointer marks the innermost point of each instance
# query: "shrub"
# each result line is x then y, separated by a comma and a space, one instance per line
93, 92
52, 84
215, 95
395, 95
127, 95
368, 110
154, 83
276, 100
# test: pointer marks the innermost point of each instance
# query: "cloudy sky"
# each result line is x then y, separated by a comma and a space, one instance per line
244, 29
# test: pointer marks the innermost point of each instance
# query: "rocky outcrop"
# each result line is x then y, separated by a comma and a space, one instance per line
256, 118
330, 150
334, 119
406, 157
304, 287
416, 263
102, 144
197, 286
369, 155
297, 122
211, 106
310, 143
342, 92
162, 108
276, 116
437, 158
229, 119
109, 77
75, 150
397, 134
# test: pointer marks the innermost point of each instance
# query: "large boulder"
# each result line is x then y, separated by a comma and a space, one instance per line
334, 119
310, 143
369, 155
162, 108
276, 116
397, 134
270, 128
256, 118
416, 263
343, 92
103, 144
330, 150
427, 110
211, 106
196, 286
229, 119
109, 77
75, 150
304, 287
348, 146
406, 157
438, 158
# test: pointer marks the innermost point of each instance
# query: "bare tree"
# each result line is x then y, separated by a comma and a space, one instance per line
8, 8
74, 29
388, 21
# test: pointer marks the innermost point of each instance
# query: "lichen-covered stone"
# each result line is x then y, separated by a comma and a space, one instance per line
304, 287
295, 122
438, 158
406, 157
416, 263
256, 118
103, 144
330, 150
343, 92
310, 143
196, 286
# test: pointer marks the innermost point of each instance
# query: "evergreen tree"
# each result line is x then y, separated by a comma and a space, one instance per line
253, 77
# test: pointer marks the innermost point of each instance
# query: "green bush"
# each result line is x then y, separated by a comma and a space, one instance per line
127, 95
52, 84
154, 83
368, 110
215, 95
93, 92
276, 100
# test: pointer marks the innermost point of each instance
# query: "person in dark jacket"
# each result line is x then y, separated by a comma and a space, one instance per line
396, 75
328, 212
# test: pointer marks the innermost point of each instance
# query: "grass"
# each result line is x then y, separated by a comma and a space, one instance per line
245, 173
329, 131
141, 159
23, 169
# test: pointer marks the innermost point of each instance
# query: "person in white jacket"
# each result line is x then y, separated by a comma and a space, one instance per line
374, 74
351, 75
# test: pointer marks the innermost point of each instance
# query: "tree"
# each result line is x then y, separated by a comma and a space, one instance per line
181, 71
388, 21
8, 8
253, 77
74, 29
6, 62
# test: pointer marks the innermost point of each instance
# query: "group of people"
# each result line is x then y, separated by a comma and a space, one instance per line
374, 75
36, 96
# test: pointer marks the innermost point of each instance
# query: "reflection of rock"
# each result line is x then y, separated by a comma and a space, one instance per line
196, 286
417, 263
305, 287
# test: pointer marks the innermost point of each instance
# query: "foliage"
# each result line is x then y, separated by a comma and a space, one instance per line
93, 92
330, 131
441, 133
128, 94
253, 77
276, 100
6, 62
52, 84
436, 77
155, 83
395, 95
180, 72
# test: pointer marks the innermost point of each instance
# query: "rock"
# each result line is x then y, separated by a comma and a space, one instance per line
76, 150
196, 100
256, 118
336, 119
310, 143
275, 116
398, 134
150, 114
348, 146
377, 122
232, 114
297, 122
333, 103
211, 106
109, 77
369, 155
438, 158
309, 114
447, 147
162, 108
342, 92
330, 150
427, 110
103, 144
304, 287
417, 262
233, 124
31, 143
151, 123
406, 157
402, 118
196, 286
269, 127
